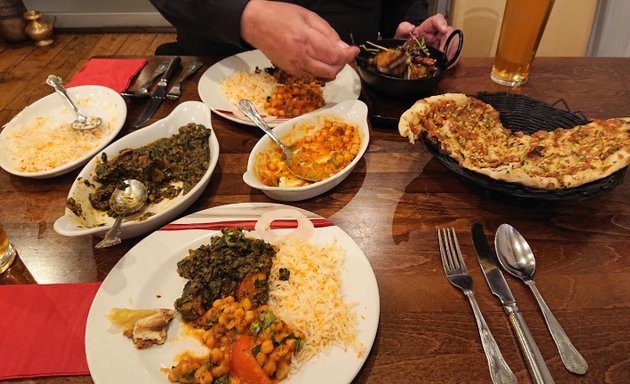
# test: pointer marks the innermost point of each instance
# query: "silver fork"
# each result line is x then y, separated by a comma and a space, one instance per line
176, 90
458, 275
143, 91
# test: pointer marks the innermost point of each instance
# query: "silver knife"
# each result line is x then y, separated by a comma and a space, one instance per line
143, 91
490, 266
159, 94
176, 91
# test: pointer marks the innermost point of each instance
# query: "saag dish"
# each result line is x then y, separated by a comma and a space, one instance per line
231, 265
166, 166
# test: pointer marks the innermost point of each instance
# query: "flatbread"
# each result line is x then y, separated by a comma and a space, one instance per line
470, 131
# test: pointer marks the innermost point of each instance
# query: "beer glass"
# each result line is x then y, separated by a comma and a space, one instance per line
7, 253
523, 25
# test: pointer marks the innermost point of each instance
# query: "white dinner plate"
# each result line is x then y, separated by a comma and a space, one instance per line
146, 277
346, 86
52, 111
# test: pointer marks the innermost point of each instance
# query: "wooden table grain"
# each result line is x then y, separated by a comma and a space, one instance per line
391, 206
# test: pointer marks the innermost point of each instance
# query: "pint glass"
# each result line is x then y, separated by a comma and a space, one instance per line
7, 253
523, 25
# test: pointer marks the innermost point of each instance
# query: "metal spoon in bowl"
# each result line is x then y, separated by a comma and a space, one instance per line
517, 258
82, 122
123, 202
304, 169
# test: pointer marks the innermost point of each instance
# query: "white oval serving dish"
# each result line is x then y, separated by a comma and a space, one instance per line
352, 111
93, 222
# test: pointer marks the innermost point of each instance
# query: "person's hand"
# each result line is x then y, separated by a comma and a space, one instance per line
435, 30
295, 39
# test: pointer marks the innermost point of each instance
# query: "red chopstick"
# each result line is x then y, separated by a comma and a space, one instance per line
245, 224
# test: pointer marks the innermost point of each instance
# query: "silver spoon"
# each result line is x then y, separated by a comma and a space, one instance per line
82, 122
303, 169
123, 202
517, 258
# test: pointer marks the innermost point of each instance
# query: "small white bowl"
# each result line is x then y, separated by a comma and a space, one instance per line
92, 100
352, 111
94, 222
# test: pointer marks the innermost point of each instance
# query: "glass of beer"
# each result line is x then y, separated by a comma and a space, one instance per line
523, 25
7, 253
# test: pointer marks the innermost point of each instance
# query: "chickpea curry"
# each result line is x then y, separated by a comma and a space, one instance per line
329, 148
294, 95
224, 306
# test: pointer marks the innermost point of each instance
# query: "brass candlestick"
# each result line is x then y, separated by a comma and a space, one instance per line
39, 30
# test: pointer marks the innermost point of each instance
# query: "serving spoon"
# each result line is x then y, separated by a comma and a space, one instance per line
517, 258
304, 169
123, 202
81, 122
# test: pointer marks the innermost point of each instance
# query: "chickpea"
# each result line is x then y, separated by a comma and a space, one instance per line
249, 316
221, 370
261, 358
283, 370
210, 340
282, 350
269, 368
266, 347
203, 376
216, 355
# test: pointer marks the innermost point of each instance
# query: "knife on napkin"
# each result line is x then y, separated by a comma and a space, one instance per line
490, 266
159, 94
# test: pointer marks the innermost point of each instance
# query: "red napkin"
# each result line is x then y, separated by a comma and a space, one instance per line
113, 73
42, 329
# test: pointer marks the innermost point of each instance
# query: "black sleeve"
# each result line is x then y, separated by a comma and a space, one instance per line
215, 21
413, 11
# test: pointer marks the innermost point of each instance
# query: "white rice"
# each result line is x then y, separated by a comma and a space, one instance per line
311, 301
249, 85
40, 145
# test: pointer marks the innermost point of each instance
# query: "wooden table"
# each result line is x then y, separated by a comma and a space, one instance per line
391, 205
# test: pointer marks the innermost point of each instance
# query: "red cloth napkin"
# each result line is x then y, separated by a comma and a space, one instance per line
113, 73
42, 329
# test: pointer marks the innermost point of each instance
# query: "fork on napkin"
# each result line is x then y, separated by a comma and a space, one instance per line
43, 329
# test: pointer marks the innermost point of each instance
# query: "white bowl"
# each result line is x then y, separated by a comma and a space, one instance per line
92, 100
95, 222
352, 111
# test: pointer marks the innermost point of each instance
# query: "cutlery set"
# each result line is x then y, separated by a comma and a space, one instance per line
164, 72
516, 257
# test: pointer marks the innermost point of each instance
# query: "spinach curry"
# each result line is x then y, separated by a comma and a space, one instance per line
166, 166
231, 265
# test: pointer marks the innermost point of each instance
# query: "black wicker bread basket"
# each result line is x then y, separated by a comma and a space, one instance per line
521, 113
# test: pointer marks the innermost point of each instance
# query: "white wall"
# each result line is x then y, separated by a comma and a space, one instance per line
94, 14
611, 33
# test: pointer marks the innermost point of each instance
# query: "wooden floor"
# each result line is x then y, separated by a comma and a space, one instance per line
20, 84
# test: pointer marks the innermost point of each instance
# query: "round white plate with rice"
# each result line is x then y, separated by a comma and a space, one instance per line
256, 87
146, 277
39, 142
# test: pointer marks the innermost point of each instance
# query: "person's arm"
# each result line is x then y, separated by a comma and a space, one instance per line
295, 39
213, 20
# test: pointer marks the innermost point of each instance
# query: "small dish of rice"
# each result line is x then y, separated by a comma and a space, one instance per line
39, 142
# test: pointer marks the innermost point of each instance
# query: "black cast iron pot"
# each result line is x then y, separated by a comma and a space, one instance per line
401, 88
